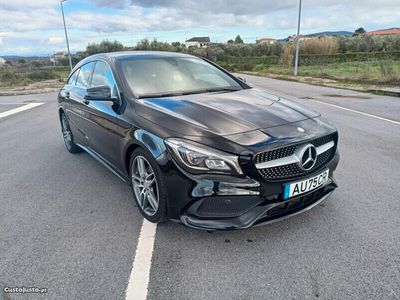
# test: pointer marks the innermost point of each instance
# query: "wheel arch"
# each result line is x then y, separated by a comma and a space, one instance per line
60, 112
147, 141
128, 154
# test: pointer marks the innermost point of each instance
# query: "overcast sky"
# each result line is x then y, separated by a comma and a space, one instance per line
34, 27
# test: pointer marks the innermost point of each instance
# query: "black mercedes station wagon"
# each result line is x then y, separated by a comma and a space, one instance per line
196, 143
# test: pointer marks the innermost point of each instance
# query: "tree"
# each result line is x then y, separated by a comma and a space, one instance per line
230, 41
143, 44
37, 64
176, 44
238, 40
104, 46
359, 31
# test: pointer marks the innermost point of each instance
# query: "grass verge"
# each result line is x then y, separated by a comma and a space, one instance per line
12, 79
363, 76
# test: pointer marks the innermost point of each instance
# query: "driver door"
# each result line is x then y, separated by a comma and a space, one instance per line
101, 116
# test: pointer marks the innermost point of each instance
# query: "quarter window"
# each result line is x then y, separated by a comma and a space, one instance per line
84, 75
72, 78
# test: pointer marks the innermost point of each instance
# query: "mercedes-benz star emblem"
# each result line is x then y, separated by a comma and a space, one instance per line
309, 157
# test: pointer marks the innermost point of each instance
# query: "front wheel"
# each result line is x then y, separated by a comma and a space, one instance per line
148, 186
68, 136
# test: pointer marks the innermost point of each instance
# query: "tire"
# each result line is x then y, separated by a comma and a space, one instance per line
148, 186
68, 136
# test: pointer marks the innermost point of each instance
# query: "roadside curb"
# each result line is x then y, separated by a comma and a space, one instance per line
384, 93
28, 92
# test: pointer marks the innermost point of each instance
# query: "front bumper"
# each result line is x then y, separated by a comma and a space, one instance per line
260, 213
211, 202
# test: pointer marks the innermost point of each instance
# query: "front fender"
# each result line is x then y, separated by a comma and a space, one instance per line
154, 144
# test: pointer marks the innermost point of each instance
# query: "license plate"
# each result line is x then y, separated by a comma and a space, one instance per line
303, 186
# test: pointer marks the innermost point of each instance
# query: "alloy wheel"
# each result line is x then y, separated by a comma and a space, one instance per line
145, 185
67, 134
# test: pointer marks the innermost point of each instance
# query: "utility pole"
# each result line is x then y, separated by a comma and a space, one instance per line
296, 64
66, 34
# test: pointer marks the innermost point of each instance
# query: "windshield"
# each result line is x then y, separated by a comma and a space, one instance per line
167, 76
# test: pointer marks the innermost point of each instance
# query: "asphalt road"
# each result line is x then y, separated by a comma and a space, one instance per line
68, 224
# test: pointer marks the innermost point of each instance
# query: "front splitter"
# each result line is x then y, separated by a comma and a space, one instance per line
255, 217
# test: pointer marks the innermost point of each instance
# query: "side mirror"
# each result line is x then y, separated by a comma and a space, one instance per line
242, 79
99, 93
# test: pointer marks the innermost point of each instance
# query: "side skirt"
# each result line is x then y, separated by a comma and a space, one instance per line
105, 163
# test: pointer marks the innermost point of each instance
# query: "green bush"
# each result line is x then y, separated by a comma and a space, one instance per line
320, 59
11, 78
252, 60
260, 67
389, 73
228, 66
42, 75
249, 63
368, 43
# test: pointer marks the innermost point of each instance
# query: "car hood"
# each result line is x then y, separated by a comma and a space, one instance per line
223, 113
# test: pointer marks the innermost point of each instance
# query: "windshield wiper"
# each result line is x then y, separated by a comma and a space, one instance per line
208, 90
160, 95
227, 89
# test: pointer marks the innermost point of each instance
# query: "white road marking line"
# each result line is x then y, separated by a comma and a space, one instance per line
337, 106
356, 111
140, 274
13, 103
19, 109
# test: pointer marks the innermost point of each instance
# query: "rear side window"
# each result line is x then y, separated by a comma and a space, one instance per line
84, 75
72, 78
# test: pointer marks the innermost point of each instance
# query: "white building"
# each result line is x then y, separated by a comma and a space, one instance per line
55, 58
2, 61
292, 38
200, 42
266, 41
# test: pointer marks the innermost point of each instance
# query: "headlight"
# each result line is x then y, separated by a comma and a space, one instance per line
200, 158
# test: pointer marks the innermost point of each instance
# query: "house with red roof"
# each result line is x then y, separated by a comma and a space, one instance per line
266, 41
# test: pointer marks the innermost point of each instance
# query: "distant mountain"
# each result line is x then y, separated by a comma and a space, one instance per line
323, 33
331, 33
16, 57
10, 57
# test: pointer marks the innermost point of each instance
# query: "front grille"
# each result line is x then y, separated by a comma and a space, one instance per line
274, 154
293, 170
324, 140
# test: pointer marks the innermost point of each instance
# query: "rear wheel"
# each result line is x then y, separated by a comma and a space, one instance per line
148, 186
68, 136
